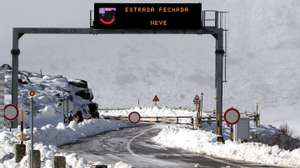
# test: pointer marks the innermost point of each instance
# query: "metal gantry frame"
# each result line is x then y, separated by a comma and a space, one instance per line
216, 31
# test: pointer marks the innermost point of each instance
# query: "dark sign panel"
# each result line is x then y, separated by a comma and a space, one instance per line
169, 16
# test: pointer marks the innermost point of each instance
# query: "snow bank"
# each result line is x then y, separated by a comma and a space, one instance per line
150, 111
49, 109
49, 137
153, 112
122, 165
204, 142
270, 135
62, 134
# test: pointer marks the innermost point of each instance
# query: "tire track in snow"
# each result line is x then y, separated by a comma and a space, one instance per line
132, 139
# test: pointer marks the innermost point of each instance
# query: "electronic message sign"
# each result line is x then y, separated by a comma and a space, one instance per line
163, 16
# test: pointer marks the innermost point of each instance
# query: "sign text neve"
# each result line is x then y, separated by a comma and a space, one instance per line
169, 16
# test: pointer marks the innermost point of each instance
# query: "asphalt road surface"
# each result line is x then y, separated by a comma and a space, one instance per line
134, 146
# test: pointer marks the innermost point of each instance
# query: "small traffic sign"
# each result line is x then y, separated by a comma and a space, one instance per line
31, 93
134, 117
155, 99
232, 116
10, 112
196, 99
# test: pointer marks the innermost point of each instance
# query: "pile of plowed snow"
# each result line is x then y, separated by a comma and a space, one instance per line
49, 137
49, 111
204, 142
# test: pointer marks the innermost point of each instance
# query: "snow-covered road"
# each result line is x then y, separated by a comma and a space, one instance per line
134, 146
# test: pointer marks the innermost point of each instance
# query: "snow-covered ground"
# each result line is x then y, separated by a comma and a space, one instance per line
49, 137
204, 142
266, 145
149, 111
50, 130
155, 111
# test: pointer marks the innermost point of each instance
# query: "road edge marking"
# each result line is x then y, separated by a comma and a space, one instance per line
132, 139
223, 161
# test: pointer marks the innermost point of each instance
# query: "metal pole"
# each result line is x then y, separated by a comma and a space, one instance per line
91, 24
257, 116
2, 93
64, 106
198, 117
31, 127
197, 102
22, 127
15, 52
201, 107
231, 132
67, 105
219, 81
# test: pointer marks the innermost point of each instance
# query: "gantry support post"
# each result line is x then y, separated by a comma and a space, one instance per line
219, 81
15, 52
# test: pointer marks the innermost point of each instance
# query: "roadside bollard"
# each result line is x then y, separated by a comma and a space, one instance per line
20, 150
196, 101
99, 166
59, 162
220, 139
36, 159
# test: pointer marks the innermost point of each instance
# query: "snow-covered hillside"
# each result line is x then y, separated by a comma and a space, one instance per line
56, 96
263, 64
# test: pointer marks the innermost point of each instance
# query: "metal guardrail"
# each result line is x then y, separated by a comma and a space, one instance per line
113, 109
253, 116
157, 119
165, 119
176, 119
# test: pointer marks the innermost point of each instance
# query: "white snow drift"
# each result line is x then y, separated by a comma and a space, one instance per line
48, 137
150, 111
204, 142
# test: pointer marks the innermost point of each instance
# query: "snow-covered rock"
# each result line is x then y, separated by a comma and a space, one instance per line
51, 93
